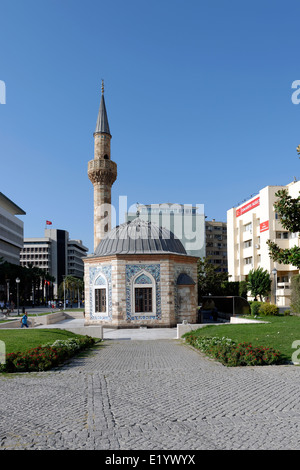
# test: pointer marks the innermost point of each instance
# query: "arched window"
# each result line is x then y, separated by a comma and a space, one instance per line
100, 295
143, 293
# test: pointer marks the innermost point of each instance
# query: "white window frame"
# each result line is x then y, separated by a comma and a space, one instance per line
100, 286
133, 286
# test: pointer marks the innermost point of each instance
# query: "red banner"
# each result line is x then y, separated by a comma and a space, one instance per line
264, 226
48, 222
247, 207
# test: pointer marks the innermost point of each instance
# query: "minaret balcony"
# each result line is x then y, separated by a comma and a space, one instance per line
101, 164
102, 171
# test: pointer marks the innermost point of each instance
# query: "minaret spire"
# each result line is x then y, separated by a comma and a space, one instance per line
102, 172
102, 120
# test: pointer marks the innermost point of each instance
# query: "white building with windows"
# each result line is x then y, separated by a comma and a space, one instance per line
11, 230
249, 226
56, 254
187, 222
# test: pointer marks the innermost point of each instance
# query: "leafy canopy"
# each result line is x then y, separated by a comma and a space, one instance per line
288, 210
259, 283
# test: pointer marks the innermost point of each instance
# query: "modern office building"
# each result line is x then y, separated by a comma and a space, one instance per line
76, 251
56, 254
187, 222
11, 230
216, 244
249, 226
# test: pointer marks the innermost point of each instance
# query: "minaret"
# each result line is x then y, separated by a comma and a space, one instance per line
102, 172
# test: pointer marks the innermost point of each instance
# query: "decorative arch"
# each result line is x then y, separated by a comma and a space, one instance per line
143, 294
100, 295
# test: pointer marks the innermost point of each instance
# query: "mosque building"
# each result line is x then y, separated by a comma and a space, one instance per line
140, 274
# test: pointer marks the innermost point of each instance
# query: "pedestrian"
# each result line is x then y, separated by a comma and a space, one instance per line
24, 321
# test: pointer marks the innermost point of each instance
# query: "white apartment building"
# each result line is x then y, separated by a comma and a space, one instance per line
11, 230
249, 226
216, 244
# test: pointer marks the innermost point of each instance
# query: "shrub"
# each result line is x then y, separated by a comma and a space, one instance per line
268, 309
45, 357
255, 307
231, 354
287, 312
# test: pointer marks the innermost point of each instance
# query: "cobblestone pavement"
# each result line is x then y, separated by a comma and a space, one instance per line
151, 395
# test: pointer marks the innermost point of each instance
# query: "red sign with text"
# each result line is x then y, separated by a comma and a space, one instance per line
247, 207
264, 226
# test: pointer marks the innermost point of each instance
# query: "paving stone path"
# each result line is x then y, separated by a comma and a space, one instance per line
151, 395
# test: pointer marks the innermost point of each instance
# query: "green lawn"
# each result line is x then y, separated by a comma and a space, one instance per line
280, 333
24, 339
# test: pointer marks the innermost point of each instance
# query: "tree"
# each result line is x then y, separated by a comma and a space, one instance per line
288, 210
259, 283
209, 280
295, 293
74, 287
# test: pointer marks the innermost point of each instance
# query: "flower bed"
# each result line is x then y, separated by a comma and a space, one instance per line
45, 357
232, 354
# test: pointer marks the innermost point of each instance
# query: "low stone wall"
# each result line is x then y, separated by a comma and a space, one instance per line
93, 331
240, 320
15, 324
49, 319
183, 328
34, 321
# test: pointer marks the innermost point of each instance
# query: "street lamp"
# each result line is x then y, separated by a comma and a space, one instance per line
64, 294
274, 272
7, 291
18, 282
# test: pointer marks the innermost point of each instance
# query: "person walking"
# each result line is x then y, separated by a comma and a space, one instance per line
24, 321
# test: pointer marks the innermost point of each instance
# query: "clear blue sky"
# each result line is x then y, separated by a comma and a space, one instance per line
198, 95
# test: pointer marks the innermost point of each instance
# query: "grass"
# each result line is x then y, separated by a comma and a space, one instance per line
279, 333
24, 339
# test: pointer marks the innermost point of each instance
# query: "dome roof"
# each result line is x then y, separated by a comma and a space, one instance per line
139, 237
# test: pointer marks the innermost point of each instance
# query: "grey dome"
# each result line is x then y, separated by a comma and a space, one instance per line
138, 237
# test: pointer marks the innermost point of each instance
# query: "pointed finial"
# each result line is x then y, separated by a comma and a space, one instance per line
102, 87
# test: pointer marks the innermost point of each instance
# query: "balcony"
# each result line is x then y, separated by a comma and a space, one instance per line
283, 289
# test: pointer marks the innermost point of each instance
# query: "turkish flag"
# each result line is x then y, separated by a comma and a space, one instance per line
48, 222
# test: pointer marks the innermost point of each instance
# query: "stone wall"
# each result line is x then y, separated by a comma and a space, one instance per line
170, 304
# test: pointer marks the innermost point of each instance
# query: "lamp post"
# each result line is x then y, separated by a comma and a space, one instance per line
274, 272
64, 294
7, 292
18, 282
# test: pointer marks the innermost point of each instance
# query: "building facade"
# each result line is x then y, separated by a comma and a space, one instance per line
216, 244
11, 230
76, 252
249, 226
140, 275
55, 254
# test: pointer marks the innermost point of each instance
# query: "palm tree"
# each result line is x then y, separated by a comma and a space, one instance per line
73, 285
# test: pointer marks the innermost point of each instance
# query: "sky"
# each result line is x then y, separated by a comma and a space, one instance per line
198, 95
